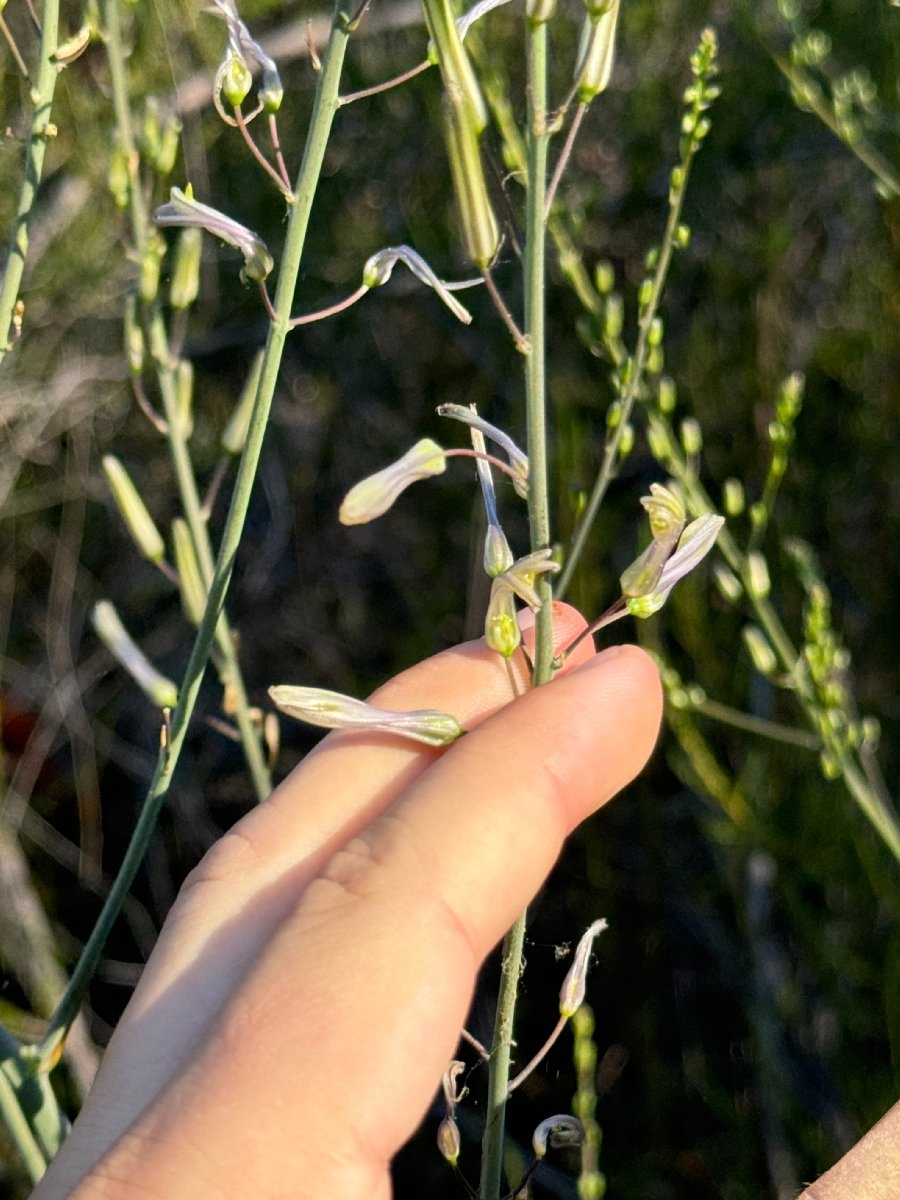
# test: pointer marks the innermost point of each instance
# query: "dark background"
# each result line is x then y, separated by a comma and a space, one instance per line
746, 994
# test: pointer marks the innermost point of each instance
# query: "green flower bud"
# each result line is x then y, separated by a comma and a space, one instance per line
756, 576
190, 580
761, 653
501, 628
727, 582
134, 512
134, 337
733, 499
604, 277
667, 396
235, 433
691, 436
186, 272
184, 397
111, 631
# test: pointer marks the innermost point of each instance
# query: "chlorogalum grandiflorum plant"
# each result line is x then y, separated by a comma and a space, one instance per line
248, 95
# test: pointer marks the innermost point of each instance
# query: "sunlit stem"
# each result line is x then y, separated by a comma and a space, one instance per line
282, 184
539, 524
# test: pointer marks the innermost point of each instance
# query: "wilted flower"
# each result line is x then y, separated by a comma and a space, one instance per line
561, 1130
378, 268
184, 210
518, 460
331, 710
571, 994
375, 494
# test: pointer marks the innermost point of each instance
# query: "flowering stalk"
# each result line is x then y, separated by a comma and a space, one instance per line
324, 107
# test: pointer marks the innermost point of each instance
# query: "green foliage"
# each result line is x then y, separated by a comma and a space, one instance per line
751, 973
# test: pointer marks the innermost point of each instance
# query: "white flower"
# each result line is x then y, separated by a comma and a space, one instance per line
331, 710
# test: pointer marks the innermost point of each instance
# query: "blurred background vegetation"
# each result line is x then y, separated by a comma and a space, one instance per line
747, 995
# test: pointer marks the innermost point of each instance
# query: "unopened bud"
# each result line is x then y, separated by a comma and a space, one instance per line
733, 498
756, 576
691, 436
134, 512
498, 556
235, 433
727, 582
190, 581
115, 637
184, 397
761, 653
374, 495
134, 337
501, 628
186, 272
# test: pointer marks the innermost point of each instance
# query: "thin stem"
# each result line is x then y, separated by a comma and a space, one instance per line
521, 341
564, 155
378, 88
20, 1130
635, 379
539, 524
38, 135
13, 48
283, 186
540, 1056
332, 310
324, 108
737, 719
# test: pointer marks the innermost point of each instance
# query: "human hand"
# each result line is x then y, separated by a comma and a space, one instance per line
309, 985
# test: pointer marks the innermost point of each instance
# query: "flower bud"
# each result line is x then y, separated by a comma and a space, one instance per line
331, 710
235, 432
184, 397
756, 576
190, 581
112, 633
134, 337
134, 512
761, 653
186, 272
374, 495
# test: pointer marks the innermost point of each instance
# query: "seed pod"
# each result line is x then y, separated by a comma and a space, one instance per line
481, 234
134, 512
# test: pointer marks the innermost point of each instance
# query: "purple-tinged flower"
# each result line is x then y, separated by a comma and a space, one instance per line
693, 546
667, 517
558, 1131
183, 210
518, 460
243, 48
376, 493
331, 710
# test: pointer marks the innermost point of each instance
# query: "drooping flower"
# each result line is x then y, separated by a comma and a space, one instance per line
379, 267
571, 994
558, 1131
518, 460
501, 628
667, 517
246, 52
376, 493
183, 210
331, 710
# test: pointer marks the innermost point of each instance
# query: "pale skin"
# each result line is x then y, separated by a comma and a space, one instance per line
309, 986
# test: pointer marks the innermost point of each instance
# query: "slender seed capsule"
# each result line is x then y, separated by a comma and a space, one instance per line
186, 272
190, 581
235, 433
596, 52
456, 67
134, 512
481, 233
115, 637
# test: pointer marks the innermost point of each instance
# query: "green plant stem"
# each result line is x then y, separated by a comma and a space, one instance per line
181, 460
19, 1128
632, 387
38, 136
734, 717
539, 523
809, 96
193, 511
324, 108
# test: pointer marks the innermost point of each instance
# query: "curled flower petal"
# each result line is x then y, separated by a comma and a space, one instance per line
518, 460
183, 210
331, 710
667, 516
379, 267
375, 494
558, 1131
